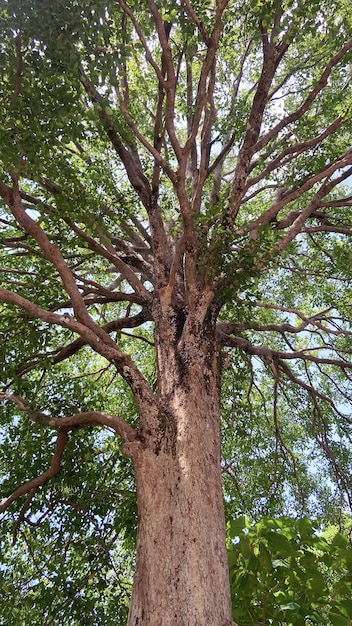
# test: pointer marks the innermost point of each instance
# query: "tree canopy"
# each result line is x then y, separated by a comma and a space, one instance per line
148, 149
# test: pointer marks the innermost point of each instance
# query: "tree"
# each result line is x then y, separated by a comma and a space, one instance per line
175, 176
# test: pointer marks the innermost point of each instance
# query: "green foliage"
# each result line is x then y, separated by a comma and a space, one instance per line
69, 561
284, 572
73, 559
82, 87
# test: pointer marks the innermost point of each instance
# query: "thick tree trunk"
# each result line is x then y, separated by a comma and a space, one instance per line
181, 576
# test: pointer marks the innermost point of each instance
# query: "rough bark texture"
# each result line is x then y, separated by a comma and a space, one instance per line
181, 570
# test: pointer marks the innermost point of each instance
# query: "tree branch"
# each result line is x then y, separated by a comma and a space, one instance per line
319, 86
42, 478
292, 151
98, 341
65, 352
78, 420
94, 418
325, 188
108, 251
170, 78
102, 344
129, 157
142, 39
50, 251
298, 218
275, 355
198, 23
271, 60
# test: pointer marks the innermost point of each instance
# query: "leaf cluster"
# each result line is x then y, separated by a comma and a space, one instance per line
284, 571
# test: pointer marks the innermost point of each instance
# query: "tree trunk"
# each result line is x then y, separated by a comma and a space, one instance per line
181, 576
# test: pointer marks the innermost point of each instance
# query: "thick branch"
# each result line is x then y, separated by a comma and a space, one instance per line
43, 478
315, 321
107, 348
165, 293
131, 162
274, 355
296, 219
108, 251
170, 81
150, 147
65, 352
85, 326
198, 23
128, 156
205, 91
78, 420
271, 59
325, 228
230, 136
50, 251
81, 420
95, 418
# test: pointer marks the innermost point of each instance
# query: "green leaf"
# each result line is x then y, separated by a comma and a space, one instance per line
340, 541
238, 525
290, 606
338, 620
265, 557
280, 544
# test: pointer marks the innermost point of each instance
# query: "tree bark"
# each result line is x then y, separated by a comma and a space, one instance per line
181, 576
